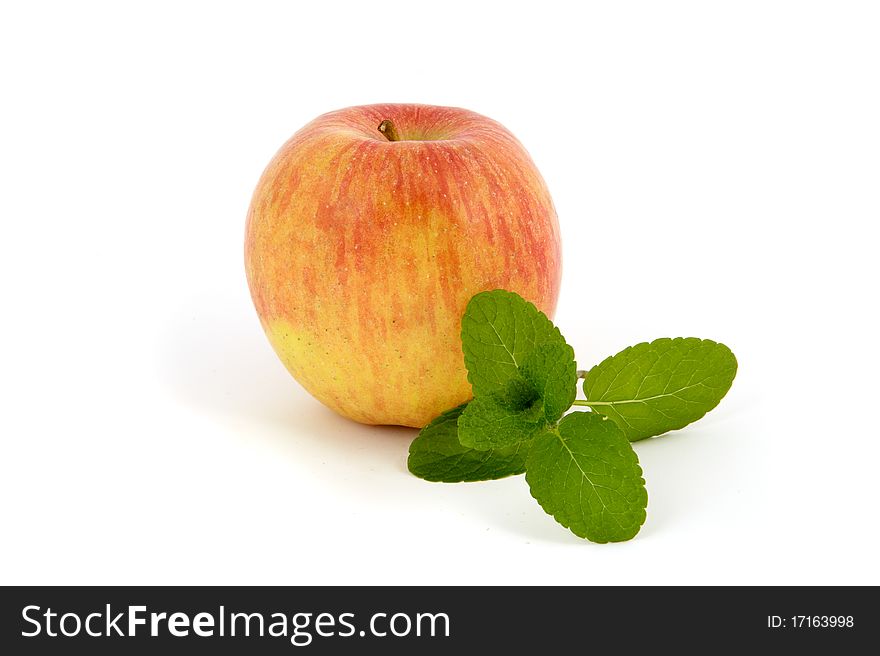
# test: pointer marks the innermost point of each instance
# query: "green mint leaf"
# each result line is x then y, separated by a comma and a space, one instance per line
522, 372
499, 330
552, 372
585, 474
487, 424
652, 388
437, 455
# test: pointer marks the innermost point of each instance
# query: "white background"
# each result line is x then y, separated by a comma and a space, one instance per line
715, 167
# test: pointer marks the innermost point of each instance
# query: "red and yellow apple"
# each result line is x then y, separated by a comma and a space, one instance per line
368, 233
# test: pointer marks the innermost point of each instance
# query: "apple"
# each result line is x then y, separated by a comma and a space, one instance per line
368, 233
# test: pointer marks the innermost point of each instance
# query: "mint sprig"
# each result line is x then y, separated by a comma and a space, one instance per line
581, 467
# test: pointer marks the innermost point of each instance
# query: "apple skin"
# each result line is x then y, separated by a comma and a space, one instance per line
362, 253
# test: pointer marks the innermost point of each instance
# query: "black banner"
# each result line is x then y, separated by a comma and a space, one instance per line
435, 620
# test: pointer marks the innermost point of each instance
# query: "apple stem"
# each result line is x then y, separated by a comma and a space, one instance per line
387, 128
